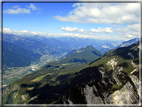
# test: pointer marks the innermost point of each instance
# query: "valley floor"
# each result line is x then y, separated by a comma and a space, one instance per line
11, 74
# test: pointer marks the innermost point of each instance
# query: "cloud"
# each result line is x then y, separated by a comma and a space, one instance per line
7, 30
135, 27
69, 29
106, 30
22, 32
28, 33
126, 35
81, 31
108, 13
32, 6
17, 11
90, 35
130, 31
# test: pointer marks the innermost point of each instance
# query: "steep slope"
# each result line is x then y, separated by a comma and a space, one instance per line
69, 53
24, 54
118, 83
108, 79
87, 54
52, 79
15, 56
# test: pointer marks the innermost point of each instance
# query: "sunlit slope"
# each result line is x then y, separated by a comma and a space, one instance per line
117, 80
47, 84
107, 80
87, 54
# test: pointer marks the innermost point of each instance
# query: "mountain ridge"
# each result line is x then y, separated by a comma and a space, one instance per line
115, 81
86, 54
59, 83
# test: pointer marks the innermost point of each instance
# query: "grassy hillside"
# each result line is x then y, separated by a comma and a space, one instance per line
109, 73
67, 78
87, 54
52, 80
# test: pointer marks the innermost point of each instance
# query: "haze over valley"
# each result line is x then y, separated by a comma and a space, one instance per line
78, 53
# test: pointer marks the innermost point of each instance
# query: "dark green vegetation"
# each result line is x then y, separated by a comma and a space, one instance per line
20, 54
121, 54
21, 51
53, 79
11, 74
47, 84
114, 66
87, 54
66, 78
15, 56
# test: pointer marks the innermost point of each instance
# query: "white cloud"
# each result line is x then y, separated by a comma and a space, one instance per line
68, 29
17, 11
75, 29
127, 35
119, 36
33, 7
81, 31
90, 33
71, 35
131, 31
103, 13
135, 27
22, 32
27, 33
106, 30
7, 30
122, 29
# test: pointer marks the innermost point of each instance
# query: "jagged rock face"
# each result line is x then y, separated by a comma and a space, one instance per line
102, 92
111, 79
117, 88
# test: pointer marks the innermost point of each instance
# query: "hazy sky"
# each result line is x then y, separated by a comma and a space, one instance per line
115, 21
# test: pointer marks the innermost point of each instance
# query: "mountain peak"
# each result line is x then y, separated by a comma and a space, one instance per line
90, 47
86, 54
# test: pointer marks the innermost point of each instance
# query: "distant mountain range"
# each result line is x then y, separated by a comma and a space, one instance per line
109, 79
15, 56
101, 45
37, 44
22, 51
47, 45
50, 46
128, 43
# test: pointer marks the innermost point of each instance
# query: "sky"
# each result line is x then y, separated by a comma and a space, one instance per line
113, 21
